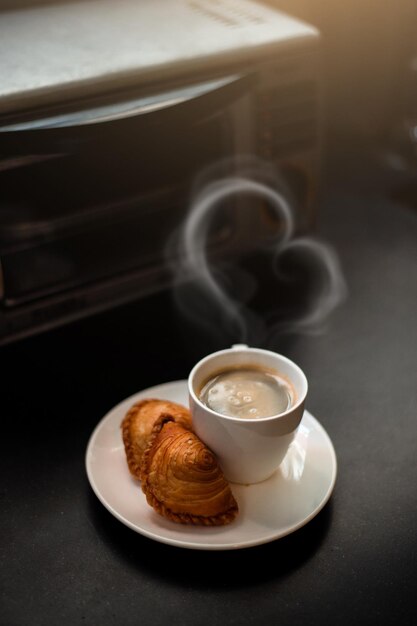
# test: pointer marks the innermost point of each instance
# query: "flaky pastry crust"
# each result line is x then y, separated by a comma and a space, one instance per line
137, 427
182, 480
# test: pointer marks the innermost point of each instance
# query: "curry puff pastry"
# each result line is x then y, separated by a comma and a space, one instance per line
181, 477
137, 427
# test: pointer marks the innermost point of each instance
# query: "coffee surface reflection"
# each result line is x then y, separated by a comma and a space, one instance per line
248, 393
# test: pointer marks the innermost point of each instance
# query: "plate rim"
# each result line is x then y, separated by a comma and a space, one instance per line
197, 545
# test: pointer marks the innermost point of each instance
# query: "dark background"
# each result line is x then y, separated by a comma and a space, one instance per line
65, 559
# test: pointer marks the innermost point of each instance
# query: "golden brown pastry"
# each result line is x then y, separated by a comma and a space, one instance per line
182, 480
138, 424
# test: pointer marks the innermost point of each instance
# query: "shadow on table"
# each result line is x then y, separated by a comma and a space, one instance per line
211, 569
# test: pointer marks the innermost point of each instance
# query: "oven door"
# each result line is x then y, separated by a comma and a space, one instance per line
90, 198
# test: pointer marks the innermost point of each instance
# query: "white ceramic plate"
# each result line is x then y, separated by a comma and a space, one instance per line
267, 511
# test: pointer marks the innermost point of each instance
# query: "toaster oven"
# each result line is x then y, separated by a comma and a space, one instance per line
96, 171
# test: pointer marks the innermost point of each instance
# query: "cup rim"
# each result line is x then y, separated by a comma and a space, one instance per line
247, 420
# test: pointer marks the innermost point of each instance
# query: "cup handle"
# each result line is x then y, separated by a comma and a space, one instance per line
239, 346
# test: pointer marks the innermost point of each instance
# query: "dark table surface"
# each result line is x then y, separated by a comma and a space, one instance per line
66, 560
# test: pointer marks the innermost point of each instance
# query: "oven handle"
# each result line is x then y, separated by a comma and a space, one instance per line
187, 106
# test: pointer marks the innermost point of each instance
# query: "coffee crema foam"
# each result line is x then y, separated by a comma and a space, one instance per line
248, 393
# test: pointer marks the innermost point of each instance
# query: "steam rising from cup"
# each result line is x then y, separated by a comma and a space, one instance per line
216, 294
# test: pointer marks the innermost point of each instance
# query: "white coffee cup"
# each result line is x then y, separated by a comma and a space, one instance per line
248, 450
